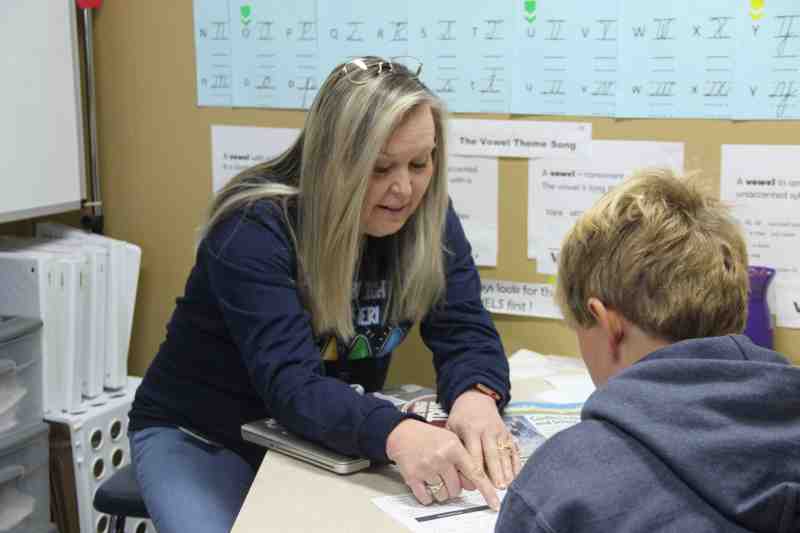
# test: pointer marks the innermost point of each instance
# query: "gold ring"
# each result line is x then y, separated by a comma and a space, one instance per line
434, 488
505, 445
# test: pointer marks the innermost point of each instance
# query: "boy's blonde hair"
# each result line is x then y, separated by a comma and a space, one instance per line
665, 255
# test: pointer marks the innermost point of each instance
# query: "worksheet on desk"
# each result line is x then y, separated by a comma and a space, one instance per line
468, 513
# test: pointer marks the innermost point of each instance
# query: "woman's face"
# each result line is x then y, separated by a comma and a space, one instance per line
401, 175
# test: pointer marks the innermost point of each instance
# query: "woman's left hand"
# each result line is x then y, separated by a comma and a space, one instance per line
476, 421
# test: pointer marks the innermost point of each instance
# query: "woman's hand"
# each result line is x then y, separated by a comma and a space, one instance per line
434, 463
476, 421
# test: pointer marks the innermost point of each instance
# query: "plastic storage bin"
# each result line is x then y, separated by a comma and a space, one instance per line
20, 373
25, 480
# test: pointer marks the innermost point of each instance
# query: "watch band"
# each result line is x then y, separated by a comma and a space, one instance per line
480, 387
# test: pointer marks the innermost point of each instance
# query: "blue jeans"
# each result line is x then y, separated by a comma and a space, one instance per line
187, 484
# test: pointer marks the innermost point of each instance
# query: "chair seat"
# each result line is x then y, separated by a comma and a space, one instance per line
119, 495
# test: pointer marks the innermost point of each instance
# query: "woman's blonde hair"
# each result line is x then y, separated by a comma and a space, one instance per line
327, 171
667, 256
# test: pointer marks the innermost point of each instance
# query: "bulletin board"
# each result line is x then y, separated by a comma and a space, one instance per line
155, 160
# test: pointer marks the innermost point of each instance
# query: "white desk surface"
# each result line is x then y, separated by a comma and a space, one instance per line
289, 495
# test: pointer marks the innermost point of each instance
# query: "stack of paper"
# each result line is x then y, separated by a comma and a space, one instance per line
547, 383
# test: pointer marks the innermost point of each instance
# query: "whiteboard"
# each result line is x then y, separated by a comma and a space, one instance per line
41, 118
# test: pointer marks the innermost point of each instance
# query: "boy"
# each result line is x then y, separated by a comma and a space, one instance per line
693, 428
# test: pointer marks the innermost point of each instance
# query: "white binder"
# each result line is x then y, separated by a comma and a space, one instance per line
95, 316
28, 288
123, 276
71, 270
72, 275
132, 260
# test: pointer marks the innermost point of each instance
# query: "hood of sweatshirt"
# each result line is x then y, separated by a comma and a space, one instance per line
724, 415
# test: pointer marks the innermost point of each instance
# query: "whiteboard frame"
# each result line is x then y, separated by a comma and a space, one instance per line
42, 144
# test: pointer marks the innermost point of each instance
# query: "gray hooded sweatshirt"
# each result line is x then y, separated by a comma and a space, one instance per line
699, 436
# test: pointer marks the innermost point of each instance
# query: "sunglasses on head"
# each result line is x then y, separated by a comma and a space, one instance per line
361, 70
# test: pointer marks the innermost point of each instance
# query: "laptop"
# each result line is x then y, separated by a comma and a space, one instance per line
273, 436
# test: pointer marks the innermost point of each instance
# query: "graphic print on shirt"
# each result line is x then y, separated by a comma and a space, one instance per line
373, 338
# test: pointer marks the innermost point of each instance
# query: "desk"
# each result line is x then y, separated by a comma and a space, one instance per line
289, 495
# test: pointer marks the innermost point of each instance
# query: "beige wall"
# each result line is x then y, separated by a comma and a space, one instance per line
155, 165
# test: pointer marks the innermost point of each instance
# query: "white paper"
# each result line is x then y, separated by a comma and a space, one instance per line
467, 513
549, 424
579, 381
568, 394
472, 184
525, 364
521, 299
784, 303
519, 138
235, 148
559, 190
762, 184
547, 383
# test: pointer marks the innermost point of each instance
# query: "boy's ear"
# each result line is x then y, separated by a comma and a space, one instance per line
610, 322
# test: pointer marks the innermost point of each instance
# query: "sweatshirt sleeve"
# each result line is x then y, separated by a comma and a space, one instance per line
251, 268
516, 516
466, 346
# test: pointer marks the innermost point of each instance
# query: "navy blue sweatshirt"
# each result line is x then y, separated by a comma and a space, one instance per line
700, 436
240, 346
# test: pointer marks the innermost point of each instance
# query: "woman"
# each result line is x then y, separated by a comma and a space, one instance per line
310, 270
